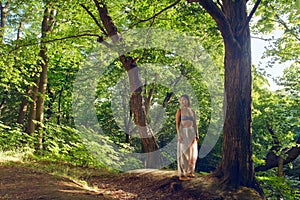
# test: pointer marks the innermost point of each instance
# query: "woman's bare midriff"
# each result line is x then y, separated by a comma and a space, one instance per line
186, 124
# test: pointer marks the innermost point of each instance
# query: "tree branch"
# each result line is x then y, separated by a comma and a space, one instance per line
280, 21
7, 4
250, 16
218, 15
94, 18
272, 159
54, 40
107, 22
156, 14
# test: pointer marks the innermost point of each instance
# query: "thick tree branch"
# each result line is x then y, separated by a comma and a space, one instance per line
250, 16
107, 22
218, 15
272, 159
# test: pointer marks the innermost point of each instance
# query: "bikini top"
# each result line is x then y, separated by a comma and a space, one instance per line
184, 117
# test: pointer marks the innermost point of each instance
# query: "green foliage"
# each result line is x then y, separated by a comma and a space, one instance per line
276, 187
13, 138
83, 148
67, 145
280, 111
281, 19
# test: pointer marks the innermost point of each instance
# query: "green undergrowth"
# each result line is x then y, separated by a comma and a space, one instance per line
64, 145
280, 187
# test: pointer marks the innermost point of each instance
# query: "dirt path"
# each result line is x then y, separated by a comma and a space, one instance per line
26, 183
18, 182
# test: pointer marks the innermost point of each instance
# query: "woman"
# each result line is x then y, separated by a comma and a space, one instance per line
187, 148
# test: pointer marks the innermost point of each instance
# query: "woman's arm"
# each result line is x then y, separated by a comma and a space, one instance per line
178, 118
195, 125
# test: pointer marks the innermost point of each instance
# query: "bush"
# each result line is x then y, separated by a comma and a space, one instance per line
279, 188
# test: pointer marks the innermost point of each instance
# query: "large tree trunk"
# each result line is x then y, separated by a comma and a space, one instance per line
236, 168
237, 163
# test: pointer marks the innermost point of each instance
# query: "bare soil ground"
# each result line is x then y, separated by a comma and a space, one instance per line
23, 182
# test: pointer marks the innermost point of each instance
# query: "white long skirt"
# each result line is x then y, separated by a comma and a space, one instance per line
187, 152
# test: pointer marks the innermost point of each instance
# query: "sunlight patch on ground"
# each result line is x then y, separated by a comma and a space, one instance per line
9, 156
103, 189
15, 156
154, 172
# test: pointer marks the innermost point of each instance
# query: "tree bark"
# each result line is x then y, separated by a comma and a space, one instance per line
280, 167
3, 16
32, 113
236, 168
23, 108
139, 109
3, 101
47, 25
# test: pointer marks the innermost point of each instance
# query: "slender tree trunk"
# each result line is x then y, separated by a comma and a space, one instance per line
24, 103
39, 91
49, 111
3, 101
47, 25
59, 106
32, 113
140, 108
23, 108
280, 166
3, 15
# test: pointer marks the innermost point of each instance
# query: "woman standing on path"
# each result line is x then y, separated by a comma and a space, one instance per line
187, 148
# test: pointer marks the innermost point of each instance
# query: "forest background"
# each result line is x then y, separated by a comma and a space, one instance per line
44, 44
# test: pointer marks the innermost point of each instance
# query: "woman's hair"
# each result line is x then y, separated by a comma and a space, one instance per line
188, 99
